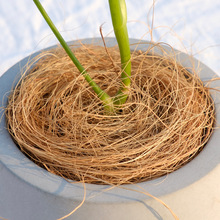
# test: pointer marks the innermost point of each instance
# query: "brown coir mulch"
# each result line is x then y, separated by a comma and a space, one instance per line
58, 121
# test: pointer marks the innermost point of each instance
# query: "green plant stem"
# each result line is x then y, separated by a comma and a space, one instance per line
119, 20
107, 100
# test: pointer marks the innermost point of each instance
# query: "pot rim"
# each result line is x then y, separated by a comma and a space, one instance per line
12, 158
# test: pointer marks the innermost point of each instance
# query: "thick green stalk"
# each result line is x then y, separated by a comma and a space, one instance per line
107, 100
119, 20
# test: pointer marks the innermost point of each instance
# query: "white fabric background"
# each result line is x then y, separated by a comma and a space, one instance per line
191, 25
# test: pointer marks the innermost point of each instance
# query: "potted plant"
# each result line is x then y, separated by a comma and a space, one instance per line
105, 143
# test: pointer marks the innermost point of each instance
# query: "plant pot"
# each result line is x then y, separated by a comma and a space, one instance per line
29, 192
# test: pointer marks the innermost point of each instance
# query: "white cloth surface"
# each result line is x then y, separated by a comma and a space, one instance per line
187, 25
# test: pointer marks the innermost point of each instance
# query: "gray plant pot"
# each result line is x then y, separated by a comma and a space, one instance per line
28, 192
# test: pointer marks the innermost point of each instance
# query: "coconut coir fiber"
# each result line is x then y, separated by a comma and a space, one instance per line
58, 121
